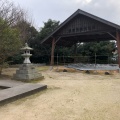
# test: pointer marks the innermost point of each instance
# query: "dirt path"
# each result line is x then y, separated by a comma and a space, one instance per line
70, 96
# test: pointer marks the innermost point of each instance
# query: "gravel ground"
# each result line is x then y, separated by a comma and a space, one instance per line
70, 95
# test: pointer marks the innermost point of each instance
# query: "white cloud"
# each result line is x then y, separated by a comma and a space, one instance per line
42, 10
88, 1
83, 1
78, 1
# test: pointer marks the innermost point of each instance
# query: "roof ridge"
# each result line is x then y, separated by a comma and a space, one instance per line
98, 18
79, 11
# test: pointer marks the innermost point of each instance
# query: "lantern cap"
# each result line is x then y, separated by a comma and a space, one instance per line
26, 47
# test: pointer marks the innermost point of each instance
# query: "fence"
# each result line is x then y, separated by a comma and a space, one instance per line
95, 59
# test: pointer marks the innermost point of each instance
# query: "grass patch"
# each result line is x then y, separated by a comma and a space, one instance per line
43, 68
63, 69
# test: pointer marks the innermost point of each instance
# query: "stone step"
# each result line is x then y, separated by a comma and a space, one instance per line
17, 92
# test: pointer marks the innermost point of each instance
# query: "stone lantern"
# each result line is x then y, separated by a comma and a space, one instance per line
27, 71
26, 53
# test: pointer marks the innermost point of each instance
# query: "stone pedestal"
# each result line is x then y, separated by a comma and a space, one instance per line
27, 72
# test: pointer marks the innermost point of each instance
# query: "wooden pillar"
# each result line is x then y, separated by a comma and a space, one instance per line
52, 52
118, 46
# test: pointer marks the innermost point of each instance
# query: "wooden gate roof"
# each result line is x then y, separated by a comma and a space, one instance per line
82, 27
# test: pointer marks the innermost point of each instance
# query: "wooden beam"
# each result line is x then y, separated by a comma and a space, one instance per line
118, 46
52, 51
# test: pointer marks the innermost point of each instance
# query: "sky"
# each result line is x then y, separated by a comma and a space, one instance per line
42, 10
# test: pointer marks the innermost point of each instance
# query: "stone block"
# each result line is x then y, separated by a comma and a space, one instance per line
27, 72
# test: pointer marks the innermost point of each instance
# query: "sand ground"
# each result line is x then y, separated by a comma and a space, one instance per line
70, 95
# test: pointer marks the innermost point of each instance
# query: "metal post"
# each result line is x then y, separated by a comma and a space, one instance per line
108, 60
57, 59
95, 60
57, 62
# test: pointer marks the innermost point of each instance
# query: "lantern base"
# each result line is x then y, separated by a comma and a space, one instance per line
27, 72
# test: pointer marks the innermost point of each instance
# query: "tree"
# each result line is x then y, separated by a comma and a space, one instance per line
13, 29
10, 13
9, 42
43, 51
15, 17
103, 49
49, 26
100, 48
27, 31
